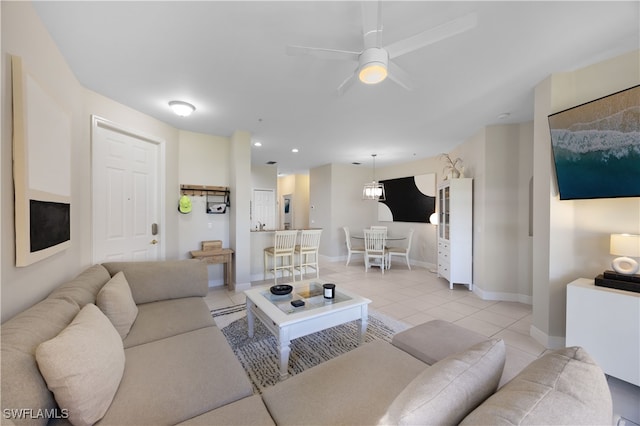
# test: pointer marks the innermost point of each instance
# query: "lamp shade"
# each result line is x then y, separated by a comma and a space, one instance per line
625, 245
433, 218
373, 191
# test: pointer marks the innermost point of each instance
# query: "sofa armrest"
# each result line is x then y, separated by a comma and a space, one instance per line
163, 280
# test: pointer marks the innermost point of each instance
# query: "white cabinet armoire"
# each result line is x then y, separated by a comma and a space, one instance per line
455, 231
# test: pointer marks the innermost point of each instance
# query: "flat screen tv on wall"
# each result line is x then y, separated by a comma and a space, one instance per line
596, 147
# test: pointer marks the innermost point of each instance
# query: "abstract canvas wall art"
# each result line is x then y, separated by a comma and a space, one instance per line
41, 169
408, 199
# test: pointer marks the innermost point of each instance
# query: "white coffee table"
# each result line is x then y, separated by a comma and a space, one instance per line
287, 323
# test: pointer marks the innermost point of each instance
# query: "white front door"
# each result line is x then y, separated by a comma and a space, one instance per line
126, 195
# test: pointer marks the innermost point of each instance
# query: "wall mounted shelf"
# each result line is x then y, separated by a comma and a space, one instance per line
217, 196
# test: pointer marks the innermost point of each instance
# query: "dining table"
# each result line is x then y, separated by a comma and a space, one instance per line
388, 237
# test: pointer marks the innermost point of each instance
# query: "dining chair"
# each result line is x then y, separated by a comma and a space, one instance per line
307, 251
284, 243
351, 249
383, 228
400, 251
374, 247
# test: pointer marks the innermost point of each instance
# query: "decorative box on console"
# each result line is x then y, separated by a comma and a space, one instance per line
612, 279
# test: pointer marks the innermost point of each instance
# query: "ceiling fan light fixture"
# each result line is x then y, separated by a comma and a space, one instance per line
373, 66
373, 73
183, 109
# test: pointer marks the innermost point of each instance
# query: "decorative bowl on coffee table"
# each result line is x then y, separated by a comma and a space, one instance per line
281, 289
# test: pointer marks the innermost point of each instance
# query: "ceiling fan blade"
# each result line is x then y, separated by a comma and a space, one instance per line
347, 83
433, 35
323, 53
372, 23
399, 76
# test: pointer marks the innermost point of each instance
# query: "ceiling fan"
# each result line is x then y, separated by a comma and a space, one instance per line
374, 60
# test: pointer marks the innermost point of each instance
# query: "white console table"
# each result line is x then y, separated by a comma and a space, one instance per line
606, 322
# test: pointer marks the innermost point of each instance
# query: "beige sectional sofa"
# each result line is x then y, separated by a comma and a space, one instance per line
135, 344
177, 366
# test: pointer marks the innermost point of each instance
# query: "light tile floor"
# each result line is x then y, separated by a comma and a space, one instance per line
417, 296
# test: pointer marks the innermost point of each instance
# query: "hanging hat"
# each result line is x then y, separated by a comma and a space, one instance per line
184, 206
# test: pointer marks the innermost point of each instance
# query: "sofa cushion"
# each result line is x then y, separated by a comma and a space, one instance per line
174, 379
451, 388
354, 388
435, 340
564, 387
22, 384
162, 280
247, 411
116, 301
84, 288
166, 318
83, 365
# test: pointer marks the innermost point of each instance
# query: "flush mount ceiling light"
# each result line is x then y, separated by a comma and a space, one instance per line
183, 109
373, 190
373, 66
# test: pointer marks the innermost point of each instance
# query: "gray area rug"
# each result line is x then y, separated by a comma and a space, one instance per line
259, 356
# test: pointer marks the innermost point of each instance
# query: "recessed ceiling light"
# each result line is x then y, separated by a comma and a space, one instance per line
183, 109
257, 144
294, 150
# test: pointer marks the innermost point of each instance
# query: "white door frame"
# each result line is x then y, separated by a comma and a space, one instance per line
96, 122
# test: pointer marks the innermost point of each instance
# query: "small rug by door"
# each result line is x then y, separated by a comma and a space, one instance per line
259, 355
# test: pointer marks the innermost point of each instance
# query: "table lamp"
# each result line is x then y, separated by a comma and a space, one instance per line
626, 246
623, 276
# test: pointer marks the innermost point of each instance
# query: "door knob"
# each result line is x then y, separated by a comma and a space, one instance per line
154, 241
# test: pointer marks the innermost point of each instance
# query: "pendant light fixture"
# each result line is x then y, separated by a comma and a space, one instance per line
373, 190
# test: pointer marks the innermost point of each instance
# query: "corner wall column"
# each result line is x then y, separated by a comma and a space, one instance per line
239, 220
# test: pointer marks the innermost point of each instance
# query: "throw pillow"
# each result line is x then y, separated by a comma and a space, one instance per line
116, 301
451, 388
83, 365
564, 387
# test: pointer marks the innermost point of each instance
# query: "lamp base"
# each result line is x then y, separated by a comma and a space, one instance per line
625, 265
618, 281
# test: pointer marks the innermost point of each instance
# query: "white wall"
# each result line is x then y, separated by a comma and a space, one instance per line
336, 201
203, 160
571, 237
498, 158
239, 215
24, 35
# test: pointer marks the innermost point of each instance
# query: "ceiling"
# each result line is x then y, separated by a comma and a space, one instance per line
229, 60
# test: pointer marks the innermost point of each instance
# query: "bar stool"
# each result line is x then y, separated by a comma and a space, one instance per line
307, 251
283, 247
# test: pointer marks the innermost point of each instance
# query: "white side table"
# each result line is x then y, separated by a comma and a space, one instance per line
606, 322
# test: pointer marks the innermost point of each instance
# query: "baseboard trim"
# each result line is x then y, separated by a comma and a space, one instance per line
550, 342
502, 296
